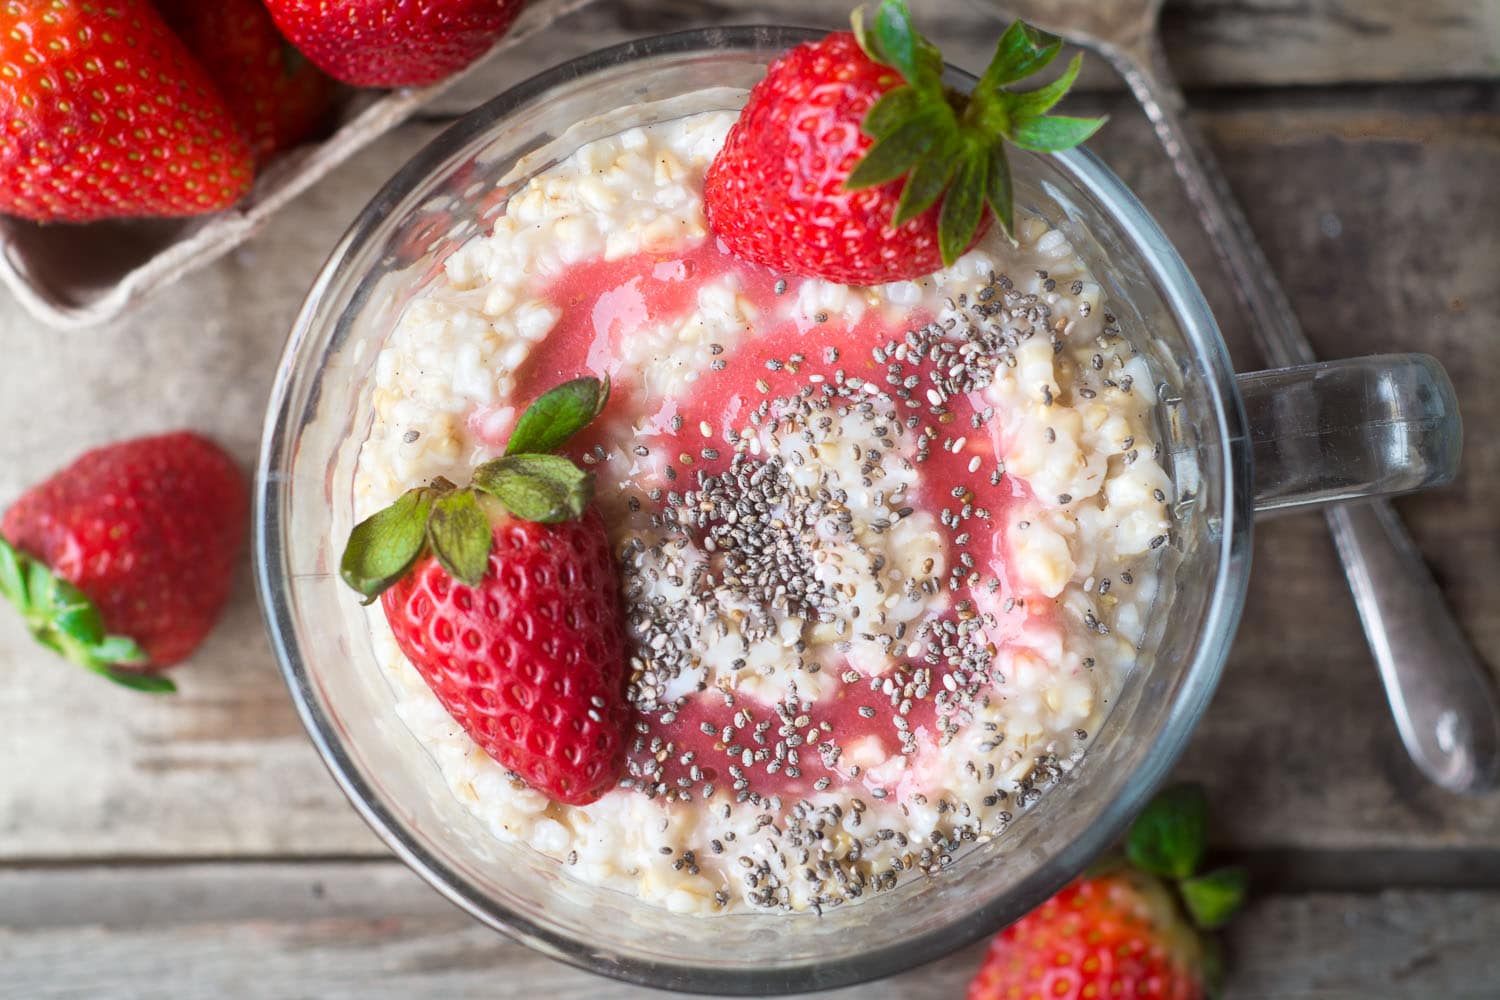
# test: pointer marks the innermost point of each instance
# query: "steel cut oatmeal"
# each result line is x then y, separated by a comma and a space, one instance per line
886, 553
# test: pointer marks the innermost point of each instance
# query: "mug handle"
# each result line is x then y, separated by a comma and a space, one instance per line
1347, 430
1371, 427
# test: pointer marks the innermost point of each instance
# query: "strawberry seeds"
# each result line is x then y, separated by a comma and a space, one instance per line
885, 553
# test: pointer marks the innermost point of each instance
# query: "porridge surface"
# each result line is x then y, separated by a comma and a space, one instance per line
886, 553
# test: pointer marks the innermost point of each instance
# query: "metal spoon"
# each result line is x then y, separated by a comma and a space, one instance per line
1439, 691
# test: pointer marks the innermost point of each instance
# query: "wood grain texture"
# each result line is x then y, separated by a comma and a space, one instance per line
1397, 251
1378, 208
371, 931
1210, 43
224, 768
1237, 43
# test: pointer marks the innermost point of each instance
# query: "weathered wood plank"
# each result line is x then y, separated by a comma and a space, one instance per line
370, 931
1351, 195
1398, 257
1211, 43
1234, 43
225, 767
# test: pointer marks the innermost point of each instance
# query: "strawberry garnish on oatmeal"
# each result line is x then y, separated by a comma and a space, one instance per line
505, 598
1134, 927
853, 163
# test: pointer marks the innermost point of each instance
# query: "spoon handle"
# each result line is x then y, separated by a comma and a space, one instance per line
1439, 691
1443, 704
1277, 329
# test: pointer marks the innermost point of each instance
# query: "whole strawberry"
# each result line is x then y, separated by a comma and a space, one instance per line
504, 597
1124, 932
107, 115
277, 95
123, 560
851, 162
377, 43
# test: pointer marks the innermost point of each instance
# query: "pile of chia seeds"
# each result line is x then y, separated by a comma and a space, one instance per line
744, 547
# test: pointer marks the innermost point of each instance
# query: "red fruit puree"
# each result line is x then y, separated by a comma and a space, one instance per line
603, 302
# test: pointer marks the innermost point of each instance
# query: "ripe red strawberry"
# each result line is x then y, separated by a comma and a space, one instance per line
277, 95
838, 161
1118, 933
125, 556
1122, 933
531, 662
512, 615
103, 113
377, 43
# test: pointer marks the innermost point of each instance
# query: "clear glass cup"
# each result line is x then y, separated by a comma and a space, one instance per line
1231, 446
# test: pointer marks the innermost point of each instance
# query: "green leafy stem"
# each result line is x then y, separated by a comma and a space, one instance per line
528, 481
63, 619
950, 146
1169, 840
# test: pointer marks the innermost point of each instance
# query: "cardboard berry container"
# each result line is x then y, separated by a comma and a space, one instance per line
72, 276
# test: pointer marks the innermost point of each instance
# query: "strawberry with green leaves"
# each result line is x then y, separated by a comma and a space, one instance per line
123, 560
1130, 929
853, 163
505, 598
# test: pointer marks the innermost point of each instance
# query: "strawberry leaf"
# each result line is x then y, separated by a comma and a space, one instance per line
542, 488
950, 148
1000, 193
74, 615
460, 536
1023, 50
12, 580
963, 207
867, 42
527, 481
928, 180
1043, 99
891, 40
119, 650
896, 39
560, 413
39, 589
62, 618
1170, 836
1214, 898
1053, 133
895, 107
383, 546
897, 153
148, 683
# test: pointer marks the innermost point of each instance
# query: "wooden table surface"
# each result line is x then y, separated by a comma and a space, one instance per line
195, 847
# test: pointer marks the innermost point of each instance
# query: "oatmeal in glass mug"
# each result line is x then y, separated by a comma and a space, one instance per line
924, 584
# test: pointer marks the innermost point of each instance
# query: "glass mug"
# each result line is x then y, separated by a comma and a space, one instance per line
1231, 445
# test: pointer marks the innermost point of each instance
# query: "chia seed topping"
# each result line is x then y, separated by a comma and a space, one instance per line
885, 554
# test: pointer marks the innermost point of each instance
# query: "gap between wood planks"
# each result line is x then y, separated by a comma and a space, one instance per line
370, 932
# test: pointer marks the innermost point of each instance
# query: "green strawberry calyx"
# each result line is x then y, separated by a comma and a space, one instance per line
63, 619
950, 146
1168, 842
528, 481
1169, 839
